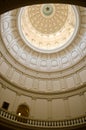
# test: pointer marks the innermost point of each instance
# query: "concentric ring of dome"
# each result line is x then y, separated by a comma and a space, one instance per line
19, 62
48, 28
48, 18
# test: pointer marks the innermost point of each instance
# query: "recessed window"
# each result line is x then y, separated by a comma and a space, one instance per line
5, 105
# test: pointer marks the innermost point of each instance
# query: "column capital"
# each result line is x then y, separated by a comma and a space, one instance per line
49, 99
65, 98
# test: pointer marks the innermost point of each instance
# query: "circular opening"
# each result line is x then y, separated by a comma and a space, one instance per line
47, 9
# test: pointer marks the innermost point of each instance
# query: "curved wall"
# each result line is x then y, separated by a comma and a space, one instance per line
54, 95
64, 106
42, 72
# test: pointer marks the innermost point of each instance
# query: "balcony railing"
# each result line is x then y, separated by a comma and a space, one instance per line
42, 123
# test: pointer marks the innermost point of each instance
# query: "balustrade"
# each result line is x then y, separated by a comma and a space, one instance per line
43, 123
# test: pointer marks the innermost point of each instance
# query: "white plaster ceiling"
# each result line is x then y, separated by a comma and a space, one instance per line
48, 33
40, 69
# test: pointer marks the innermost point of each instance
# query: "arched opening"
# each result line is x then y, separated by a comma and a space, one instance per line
23, 110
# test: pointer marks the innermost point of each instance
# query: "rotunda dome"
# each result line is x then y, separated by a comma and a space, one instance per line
43, 65
48, 28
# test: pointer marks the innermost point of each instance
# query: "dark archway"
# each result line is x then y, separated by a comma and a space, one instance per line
6, 5
23, 110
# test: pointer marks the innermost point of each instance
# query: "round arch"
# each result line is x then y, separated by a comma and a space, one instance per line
23, 110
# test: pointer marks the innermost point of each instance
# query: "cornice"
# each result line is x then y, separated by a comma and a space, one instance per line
42, 95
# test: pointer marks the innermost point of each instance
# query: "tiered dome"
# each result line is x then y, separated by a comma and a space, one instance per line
43, 63
44, 45
47, 28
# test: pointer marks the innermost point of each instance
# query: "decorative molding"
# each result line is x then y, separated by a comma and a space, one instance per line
42, 95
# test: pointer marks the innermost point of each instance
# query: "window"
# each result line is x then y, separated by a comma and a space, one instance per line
5, 105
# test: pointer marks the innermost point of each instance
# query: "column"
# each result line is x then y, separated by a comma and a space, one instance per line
67, 108
49, 109
35, 84
33, 107
63, 83
49, 84
15, 104
2, 91
77, 79
83, 102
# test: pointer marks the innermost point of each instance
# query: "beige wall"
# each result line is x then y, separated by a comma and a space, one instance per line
59, 108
